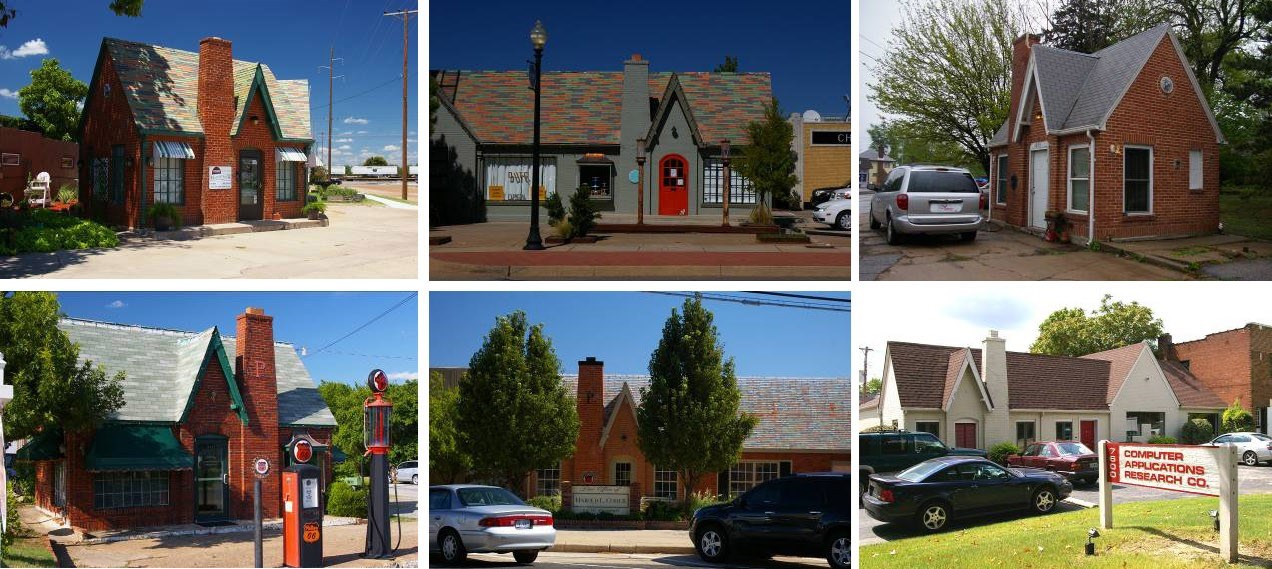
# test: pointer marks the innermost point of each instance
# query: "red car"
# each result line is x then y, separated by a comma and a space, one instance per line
1070, 459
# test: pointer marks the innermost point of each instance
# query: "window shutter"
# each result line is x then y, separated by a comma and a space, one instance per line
1194, 170
784, 468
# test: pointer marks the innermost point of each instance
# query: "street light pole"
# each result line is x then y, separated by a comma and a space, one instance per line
640, 181
724, 153
538, 38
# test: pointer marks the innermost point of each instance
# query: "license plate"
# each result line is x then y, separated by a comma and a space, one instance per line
946, 207
522, 524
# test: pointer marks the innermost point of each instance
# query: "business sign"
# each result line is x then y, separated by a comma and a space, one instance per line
598, 499
832, 137
1190, 469
261, 467
220, 177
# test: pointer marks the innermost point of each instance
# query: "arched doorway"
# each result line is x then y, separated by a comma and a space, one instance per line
673, 186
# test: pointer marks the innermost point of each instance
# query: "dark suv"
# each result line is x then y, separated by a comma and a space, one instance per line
894, 451
804, 515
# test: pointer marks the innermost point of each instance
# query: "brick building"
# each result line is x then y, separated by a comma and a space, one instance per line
180, 449
823, 152
803, 426
1235, 364
24, 153
1120, 142
221, 139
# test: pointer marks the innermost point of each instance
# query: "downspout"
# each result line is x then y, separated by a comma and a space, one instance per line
1091, 190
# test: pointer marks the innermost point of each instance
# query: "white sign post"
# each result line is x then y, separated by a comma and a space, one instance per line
6, 395
1208, 471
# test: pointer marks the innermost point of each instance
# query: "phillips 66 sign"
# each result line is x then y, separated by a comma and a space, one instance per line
1180, 468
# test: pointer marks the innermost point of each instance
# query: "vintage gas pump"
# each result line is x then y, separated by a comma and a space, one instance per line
302, 510
375, 431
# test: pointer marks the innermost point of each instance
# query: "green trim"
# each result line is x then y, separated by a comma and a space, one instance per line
215, 346
258, 82
166, 132
118, 447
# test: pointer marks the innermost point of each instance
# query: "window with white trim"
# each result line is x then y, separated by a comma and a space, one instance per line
547, 481
931, 427
508, 178
285, 181
1064, 430
1000, 190
744, 476
130, 489
1079, 178
666, 484
169, 180
1137, 179
622, 474
1195, 170
741, 190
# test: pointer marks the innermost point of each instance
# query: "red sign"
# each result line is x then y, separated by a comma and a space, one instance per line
378, 381
1191, 469
312, 533
302, 451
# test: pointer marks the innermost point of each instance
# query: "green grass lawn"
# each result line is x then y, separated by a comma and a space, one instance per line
1248, 217
29, 552
1157, 535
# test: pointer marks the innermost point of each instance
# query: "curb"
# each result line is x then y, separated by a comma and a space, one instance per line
640, 549
1083, 503
1150, 259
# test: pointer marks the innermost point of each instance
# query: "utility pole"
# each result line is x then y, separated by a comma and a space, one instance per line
406, 41
331, 104
865, 363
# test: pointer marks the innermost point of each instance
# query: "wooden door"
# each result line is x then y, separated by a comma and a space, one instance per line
673, 186
1088, 435
965, 435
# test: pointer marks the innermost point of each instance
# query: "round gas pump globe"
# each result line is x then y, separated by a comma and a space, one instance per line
378, 381
302, 451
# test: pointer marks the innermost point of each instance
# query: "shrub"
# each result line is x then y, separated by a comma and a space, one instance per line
549, 503
318, 207
1162, 440
665, 511
998, 453
67, 193
44, 231
700, 500
1197, 431
1236, 419
163, 209
583, 213
344, 500
556, 210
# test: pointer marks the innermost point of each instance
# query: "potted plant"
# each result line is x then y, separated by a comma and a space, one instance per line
314, 210
1055, 221
165, 217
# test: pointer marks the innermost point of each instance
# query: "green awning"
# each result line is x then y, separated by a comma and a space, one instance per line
42, 446
136, 447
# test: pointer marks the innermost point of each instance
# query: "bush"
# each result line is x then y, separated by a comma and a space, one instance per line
549, 503
167, 210
1162, 440
583, 212
1197, 431
700, 500
344, 500
998, 453
665, 511
67, 193
556, 210
12, 520
1236, 419
44, 231
318, 207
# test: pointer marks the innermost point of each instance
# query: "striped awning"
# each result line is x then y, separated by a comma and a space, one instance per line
170, 149
290, 155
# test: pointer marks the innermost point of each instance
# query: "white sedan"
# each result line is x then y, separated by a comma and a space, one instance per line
1252, 448
468, 518
835, 213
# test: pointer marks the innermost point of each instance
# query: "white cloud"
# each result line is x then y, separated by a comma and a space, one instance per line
402, 376
361, 132
391, 148
116, 304
8, 94
33, 47
345, 147
343, 140
355, 120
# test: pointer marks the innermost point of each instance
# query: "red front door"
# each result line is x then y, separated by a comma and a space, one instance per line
673, 186
1088, 434
965, 435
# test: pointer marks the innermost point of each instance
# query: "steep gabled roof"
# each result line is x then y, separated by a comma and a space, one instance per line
872, 154
1121, 360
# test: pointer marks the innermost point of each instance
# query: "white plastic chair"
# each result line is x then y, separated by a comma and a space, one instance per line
37, 192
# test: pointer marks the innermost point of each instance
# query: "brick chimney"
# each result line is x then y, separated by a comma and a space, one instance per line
254, 353
591, 408
634, 119
998, 426
1020, 51
1166, 348
216, 114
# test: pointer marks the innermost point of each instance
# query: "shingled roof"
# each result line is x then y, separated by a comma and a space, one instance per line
161, 86
161, 367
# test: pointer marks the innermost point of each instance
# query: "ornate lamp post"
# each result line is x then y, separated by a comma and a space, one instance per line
640, 181
724, 157
538, 38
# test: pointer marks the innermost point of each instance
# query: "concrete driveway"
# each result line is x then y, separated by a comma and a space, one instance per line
362, 241
404, 499
1003, 255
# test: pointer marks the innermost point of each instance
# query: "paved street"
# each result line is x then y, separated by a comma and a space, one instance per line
386, 189
996, 254
405, 500
616, 560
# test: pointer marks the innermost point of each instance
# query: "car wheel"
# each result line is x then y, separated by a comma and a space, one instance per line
526, 556
969, 236
874, 223
1044, 500
839, 551
712, 544
1250, 459
415, 479
452, 547
894, 238
934, 516
844, 221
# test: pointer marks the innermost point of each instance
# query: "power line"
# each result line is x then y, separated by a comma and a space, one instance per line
804, 296
721, 297
374, 356
368, 323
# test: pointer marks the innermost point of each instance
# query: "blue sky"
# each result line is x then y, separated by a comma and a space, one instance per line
804, 44
291, 36
623, 328
306, 319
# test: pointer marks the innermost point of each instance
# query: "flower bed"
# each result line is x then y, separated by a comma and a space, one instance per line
44, 231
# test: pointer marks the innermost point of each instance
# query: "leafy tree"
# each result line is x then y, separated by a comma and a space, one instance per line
404, 426
768, 161
514, 414
346, 403
1212, 30
1244, 108
947, 71
50, 387
1087, 26
447, 460
730, 65
690, 418
911, 145
1072, 332
1236, 419
119, 7
375, 161
881, 137
873, 386
52, 100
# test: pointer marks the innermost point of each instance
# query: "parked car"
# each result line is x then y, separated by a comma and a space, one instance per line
835, 213
892, 451
470, 518
935, 491
823, 195
1252, 448
804, 515
1070, 459
928, 200
9, 471
407, 471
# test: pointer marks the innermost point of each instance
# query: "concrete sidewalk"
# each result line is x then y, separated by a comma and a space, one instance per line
1217, 256
663, 542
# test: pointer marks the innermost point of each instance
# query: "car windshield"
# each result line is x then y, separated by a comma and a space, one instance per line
488, 497
1070, 449
941, 181
920, 471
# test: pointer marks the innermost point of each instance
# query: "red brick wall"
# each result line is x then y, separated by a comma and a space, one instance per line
254, 351
36, 154
109, 121
1235, 364
216, 113
191, 210
260, 136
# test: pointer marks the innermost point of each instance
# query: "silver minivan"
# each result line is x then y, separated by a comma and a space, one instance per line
933, 200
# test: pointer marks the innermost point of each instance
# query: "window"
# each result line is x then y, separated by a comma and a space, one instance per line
893, 181
1000, 190
1195, 176
1145, 424
130, 489
622, 474
1137, 180
59, 483
744, 476
665, 484
439, 499
1025, 433
547, 481
286, 182
741, 190
508, 178
1064, 430
597, 180
892, 444
1079, 178
101, 178
925, 443
930, 427
169, 180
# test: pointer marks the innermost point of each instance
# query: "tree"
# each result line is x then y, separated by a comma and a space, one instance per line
50, 386
346, 404
119, 7
1212, 30
947, 71
514, 414
1236, 419
910, 146
1072, 332
1243, 108
375, 161
768, 162
1087, 26
730, 65
873, 386
448, 461
52, 100
880, 138
404, 425
690, 418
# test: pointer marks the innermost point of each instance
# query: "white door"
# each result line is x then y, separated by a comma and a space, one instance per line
1038, 189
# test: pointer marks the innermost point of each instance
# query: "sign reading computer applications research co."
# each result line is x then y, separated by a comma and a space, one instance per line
1180, 468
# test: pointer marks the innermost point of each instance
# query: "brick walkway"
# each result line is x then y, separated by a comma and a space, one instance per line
645, 259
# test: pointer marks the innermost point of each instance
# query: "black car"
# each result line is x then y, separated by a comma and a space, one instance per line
932, 492
893, 451
803, 515
822, 195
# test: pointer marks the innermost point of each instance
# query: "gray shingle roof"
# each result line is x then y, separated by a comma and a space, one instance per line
873, 154
161, 366
1000, 137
